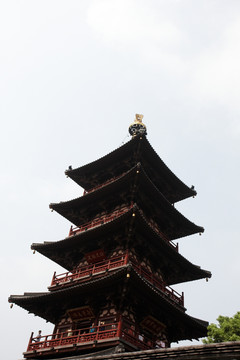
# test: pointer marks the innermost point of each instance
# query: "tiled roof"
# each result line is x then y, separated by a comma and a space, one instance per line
137, 186
217, 351
68, 250
50, 304
167, 182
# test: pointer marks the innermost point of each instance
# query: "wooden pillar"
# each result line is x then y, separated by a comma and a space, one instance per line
30, 341
119, 329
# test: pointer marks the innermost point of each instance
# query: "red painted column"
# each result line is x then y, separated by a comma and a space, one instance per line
30, 341
119, 329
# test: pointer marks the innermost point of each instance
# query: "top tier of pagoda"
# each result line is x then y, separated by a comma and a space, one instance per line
121, 160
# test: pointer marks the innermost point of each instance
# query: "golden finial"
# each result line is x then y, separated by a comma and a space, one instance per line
137, 127
139, 118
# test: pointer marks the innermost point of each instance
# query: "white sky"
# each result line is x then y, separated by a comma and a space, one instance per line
73, 75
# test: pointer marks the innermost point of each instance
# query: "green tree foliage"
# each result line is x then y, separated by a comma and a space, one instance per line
228, 329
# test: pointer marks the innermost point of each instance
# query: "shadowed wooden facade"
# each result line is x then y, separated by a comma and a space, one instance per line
121, 260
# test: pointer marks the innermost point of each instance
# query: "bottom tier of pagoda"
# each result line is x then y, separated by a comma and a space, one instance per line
108, 334
121, 307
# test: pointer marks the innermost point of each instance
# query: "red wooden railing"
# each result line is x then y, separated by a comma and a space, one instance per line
100, 268
103, 184
83, 336
87, 270
73, 337
156, 281
109, 217
163, 236
99, 221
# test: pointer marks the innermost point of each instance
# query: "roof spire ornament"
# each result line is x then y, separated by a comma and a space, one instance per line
137, 127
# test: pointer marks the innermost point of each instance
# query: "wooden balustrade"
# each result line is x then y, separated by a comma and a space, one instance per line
99, 220
103, 184
156, 281
109, 217
163, 236
138, 340
91, 334
78, 336
92, 269
100, 268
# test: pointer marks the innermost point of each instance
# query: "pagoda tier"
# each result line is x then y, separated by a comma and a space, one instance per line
133, 186
121, 293
124, 232
122, 160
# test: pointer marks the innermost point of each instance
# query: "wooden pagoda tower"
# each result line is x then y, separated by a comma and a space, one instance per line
120, 259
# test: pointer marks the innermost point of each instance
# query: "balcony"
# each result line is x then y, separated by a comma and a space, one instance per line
109, 217
99, 221
101, 268
99, 336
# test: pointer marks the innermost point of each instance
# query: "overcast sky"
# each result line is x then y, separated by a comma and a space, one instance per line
73, 75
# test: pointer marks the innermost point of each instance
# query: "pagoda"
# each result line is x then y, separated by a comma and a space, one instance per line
120, 259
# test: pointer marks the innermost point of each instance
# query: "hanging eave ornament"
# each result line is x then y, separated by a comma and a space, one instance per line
137, 127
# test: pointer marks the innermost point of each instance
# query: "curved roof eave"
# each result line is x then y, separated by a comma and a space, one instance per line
71, 209
97, 165
49, 305
55, 250
199, 325
180, 191
94, 195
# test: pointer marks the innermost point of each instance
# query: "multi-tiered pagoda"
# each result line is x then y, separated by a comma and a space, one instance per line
120, 258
